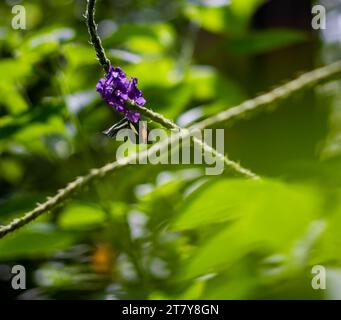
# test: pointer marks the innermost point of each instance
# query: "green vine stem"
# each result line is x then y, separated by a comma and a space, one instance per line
306, 80
95, 40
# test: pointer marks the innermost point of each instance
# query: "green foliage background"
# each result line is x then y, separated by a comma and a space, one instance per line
157, 232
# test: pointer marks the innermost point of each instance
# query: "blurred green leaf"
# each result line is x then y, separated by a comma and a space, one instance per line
269, 215
37, 240
239, 282
12, 99
215, 19
246, 8
78, 55
209, 205
11, 170
165, 70
29, 128
328, 248
81, 215
143, 38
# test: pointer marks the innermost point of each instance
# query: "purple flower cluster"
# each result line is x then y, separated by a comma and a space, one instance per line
118, 92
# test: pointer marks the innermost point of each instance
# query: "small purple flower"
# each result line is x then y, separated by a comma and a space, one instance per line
117, 91
135, 94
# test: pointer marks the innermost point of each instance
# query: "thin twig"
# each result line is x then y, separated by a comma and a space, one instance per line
66, 193
95, 40
171, 125
242, 110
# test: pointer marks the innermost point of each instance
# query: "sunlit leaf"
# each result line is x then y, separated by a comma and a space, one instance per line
143, 38
215, 19
244, 9
81, 215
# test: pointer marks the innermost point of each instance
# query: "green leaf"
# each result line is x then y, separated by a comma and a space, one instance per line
12, 71
30, 127
81, 215
207, 83
269, 215
245, 9
38, 240
11, 170
12, 99
215, 19
143, 38
209, 205
238, 282
164, 67
328, 248
78, 55
230, 18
